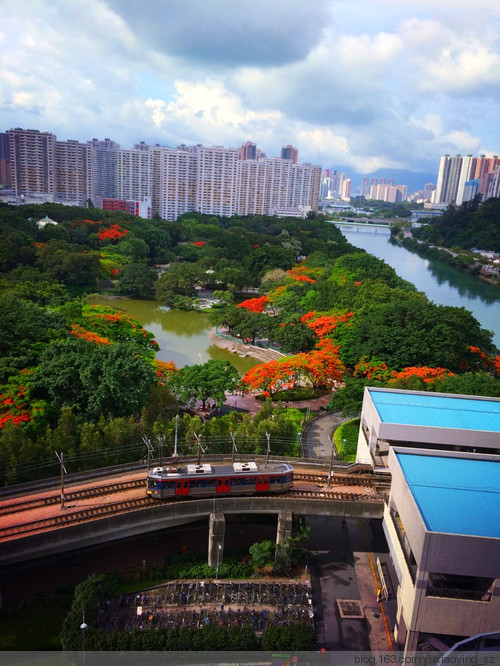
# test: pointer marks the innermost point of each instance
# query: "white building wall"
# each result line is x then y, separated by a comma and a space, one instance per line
74, 174
134, 171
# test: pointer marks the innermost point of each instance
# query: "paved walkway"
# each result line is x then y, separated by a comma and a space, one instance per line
250, 404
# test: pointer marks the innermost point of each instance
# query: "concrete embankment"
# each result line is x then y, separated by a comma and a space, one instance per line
238, 347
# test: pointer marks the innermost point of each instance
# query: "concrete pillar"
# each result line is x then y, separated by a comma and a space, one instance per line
284, 526
411, 642
216, 531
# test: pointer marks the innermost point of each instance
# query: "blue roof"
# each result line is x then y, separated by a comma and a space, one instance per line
455, 495
438, 411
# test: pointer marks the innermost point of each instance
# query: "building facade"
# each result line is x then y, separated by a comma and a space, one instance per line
32, 162
442, 517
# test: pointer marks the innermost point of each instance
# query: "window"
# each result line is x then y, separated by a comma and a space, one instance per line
451, 586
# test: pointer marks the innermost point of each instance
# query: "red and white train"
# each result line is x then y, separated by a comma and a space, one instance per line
207, 480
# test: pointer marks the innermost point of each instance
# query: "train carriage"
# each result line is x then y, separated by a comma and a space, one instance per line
206, 480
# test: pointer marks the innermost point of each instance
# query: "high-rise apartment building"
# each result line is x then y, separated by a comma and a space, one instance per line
5, 175
455, 172
32, 162
73, 173
248, 151
165, 181
173, 181
105, 157
290, 153
216, 179
133, 174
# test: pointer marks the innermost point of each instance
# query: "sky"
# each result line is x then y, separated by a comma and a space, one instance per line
353, 84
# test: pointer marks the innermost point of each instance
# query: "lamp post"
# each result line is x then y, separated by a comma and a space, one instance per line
331, 463
218, 559
83, 626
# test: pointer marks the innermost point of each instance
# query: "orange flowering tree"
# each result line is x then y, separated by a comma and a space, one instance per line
164, 370
427, 375
89, 336
325, 324
255, 304
372, 368
113, 233
320, 367
16, 403
112, 326
304, 274
478, 360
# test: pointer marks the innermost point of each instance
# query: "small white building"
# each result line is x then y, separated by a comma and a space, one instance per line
43, 223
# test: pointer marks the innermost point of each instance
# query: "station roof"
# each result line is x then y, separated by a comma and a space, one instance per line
455, 495
438, 411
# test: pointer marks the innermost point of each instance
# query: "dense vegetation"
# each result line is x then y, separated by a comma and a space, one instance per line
471, 225
83, 379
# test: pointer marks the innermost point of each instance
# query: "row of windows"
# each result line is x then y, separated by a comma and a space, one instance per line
211, 483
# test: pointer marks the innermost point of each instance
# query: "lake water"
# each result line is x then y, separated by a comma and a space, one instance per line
182, 335
442, 284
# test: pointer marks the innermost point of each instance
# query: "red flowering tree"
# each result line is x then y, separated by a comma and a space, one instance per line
164, 370
478, 360
372, 368
319, 368
113, 233
16, 403
115, 326
427, 375
325, 324
255, 304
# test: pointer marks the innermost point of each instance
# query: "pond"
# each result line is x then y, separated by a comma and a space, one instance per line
182, 335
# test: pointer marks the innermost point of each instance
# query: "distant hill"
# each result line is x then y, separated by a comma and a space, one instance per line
414, 180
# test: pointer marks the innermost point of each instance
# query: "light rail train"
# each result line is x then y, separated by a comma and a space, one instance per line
207, 480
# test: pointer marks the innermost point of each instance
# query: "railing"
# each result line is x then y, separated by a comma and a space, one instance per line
261, 345
457, 593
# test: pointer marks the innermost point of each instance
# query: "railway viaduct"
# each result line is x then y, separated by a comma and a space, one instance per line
169, 514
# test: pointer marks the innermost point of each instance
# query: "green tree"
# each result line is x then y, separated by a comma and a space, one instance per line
111, 380
262, 555
137, 280
178, 280
25, 328
202, 382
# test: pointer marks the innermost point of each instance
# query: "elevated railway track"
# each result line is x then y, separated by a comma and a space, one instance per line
103, 509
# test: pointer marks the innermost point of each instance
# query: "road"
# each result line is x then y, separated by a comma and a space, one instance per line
317, 433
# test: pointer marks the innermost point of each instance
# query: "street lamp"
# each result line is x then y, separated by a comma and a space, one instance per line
330, 473
218, 559
83, 626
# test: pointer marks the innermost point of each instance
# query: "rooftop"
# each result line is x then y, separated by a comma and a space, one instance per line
438, 411
455, 495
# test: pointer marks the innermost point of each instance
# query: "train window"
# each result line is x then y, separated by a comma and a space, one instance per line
266, 480
219, 482
195, 483
250, 481
152, 483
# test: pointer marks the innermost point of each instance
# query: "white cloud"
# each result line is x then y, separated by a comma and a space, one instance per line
391, 83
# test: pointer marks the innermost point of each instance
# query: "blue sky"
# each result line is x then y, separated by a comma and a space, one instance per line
359, 84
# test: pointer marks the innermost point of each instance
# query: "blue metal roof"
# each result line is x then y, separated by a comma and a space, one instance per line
438, 411
455, 495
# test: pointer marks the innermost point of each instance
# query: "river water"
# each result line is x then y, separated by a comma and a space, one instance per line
441, 283
182, 336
